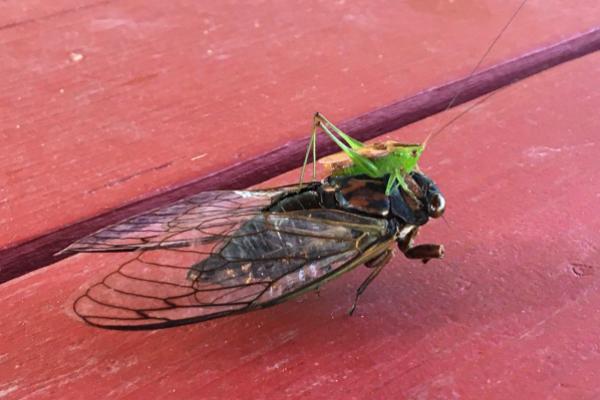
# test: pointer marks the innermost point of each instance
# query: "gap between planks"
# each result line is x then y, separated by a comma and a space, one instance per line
38, 252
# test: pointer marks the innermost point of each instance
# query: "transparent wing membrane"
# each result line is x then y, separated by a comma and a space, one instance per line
219, 253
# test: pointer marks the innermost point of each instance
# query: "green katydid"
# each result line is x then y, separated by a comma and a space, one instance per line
356, 158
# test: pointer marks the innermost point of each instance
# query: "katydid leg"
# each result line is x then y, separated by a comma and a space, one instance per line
353, 143
320, 121
312, 144
358, 159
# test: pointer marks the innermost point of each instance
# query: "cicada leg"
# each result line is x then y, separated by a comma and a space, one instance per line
423, 252
377, 265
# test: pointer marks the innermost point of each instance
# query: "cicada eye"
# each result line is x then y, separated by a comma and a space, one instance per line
437, 205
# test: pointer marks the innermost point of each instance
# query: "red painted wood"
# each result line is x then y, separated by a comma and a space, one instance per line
103, 103
39, 252
19, 13
511, 312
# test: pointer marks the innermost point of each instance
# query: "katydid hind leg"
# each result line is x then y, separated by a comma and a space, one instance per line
312, 145
320, 121
302, 171
353, 143
356, 158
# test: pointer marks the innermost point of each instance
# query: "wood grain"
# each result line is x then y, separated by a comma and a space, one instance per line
105, 103
512, 311
40, 251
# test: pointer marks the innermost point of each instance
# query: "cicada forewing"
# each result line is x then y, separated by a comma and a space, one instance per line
220, 253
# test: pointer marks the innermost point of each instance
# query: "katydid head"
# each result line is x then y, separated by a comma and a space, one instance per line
404, 157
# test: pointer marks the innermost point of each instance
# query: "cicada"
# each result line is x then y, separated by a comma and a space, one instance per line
228, 252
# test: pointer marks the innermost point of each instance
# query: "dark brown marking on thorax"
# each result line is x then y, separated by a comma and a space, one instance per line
363, 195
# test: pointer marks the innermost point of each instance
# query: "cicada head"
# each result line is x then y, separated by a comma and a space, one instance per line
430, 195
420, 200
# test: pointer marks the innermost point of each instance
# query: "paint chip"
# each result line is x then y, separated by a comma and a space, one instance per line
580, 269
198, 157
76, 57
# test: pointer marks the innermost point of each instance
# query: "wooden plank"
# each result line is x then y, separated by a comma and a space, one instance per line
112, 103
18, 13
511, 312
30, 255
39, 252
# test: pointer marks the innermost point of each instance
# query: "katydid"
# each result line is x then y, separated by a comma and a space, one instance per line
356, 158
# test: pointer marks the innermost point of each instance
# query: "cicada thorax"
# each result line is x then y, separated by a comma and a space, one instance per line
366, 195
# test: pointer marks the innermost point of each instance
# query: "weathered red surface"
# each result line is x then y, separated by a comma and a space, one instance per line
39, 252
106, 102
511, 312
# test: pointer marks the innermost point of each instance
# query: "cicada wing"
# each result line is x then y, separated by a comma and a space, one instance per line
265, 261
197, 218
